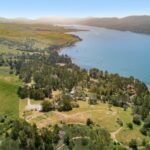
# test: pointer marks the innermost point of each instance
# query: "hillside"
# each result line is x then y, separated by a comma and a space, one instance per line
137, 24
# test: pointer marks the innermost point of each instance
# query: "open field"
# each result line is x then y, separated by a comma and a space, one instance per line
100, 114
6, 50
34, 36
9, 100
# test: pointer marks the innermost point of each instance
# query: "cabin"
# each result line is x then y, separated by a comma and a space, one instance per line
33, 107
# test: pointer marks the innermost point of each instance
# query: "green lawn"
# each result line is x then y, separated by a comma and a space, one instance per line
9, 100
100, 114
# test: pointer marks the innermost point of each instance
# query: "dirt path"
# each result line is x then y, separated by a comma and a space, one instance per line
60, 147
113, 134
80, 137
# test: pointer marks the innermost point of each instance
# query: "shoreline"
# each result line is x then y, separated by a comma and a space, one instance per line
79, 40
148, 86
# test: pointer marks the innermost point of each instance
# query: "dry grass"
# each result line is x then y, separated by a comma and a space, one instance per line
100, 114
43, 35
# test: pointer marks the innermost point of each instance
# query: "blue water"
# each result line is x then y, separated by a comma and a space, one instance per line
120, 52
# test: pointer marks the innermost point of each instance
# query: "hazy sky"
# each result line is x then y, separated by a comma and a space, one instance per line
73, 8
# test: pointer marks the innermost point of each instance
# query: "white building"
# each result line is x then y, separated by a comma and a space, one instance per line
35, 107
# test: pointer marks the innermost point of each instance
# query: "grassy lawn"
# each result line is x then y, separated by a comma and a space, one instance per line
100, 114
8, 93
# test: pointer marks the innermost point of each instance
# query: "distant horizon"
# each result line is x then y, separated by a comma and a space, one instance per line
79, 8
73, 17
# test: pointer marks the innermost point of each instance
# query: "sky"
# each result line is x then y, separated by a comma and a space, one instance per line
73, 8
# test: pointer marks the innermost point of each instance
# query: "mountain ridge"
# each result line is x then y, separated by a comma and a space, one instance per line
138, 24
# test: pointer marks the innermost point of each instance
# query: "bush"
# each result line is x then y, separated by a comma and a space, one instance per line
37, 94
130, 125
23, 92
143, 131
89, 122
66, 140
147, 147
65, 104
137, 119
143, 142
146, 127
75, 105
120, 122
84, 141
2, 119
133, 144
47, 106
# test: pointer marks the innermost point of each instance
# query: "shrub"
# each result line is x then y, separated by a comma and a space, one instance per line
84, 141
89, 122
137, 119
143, 142
143, 131
130, 125
23, 92
133, 144
119, 121
47, 106
147, 147
2, 119
65, 104
146, 127
66, 140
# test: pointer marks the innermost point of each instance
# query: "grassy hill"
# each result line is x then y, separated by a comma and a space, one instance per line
34, 37
137, 24
100, 114
8, 93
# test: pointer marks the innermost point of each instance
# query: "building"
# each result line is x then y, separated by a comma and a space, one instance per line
33, 107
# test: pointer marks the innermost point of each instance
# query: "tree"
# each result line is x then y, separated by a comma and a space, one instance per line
133, 144
37, 94
66, 140
130, 125
65, 103
89, 122
47, 106
94, 73
137, 119
23, 92
84, 141
146, 127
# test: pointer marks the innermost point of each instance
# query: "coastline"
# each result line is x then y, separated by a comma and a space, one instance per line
148, 87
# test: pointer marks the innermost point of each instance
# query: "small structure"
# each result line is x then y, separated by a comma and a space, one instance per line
72, 92
33, 107
92, 99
